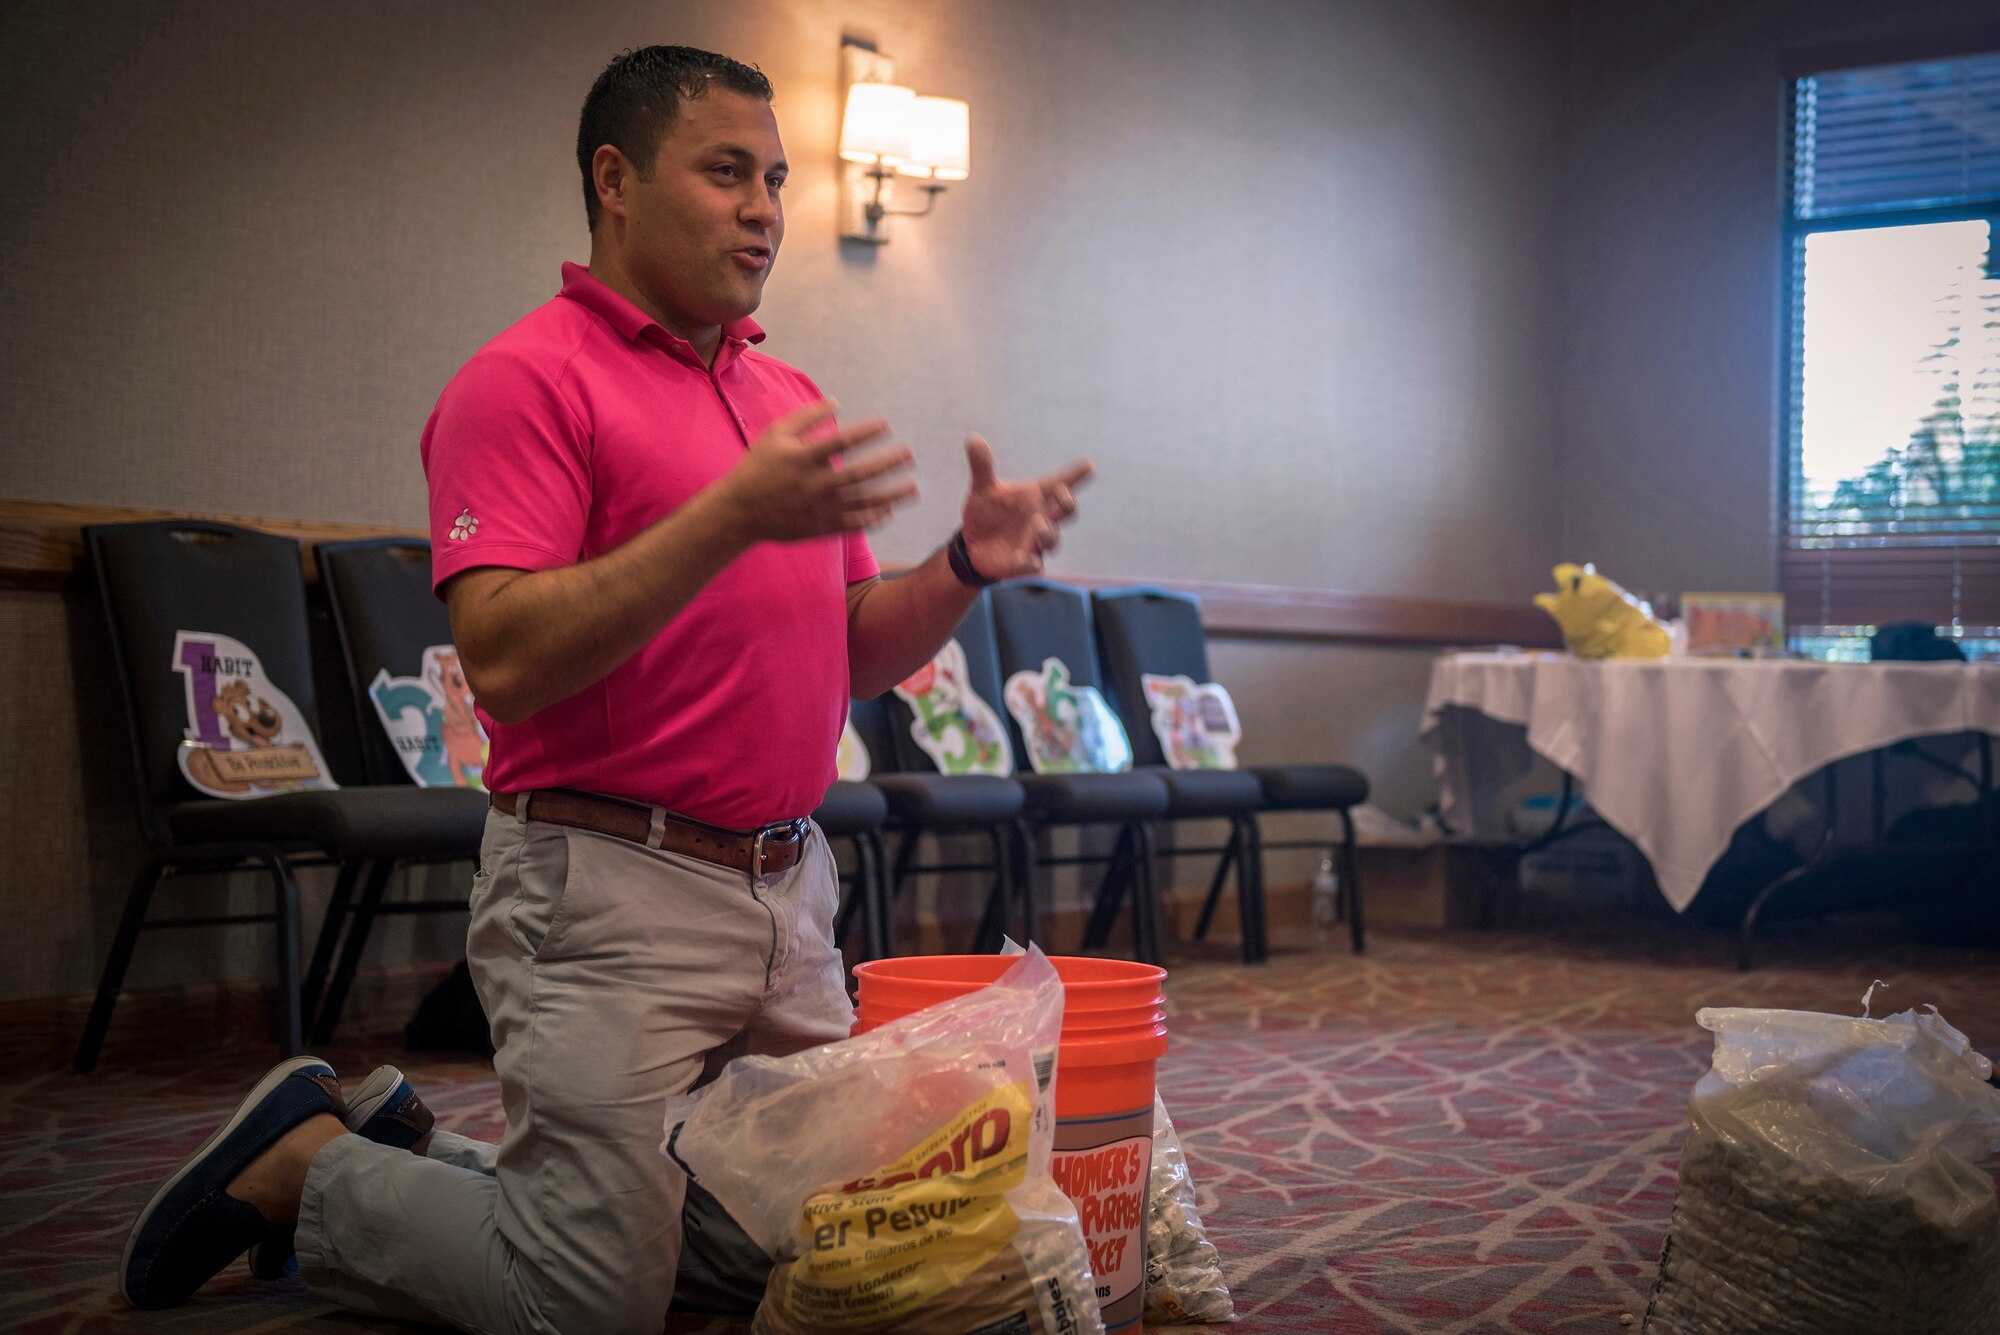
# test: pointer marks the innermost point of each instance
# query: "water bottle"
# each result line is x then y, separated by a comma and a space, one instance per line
1325, 899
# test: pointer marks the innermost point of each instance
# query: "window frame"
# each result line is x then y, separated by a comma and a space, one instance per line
1793, 232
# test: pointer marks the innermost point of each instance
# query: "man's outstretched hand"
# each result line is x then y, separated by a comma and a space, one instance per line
787, 487
1011, 526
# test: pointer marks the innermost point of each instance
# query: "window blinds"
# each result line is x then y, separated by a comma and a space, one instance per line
1924, 135
1910, 531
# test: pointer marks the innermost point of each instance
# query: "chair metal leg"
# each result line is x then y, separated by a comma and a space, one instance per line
362, 922
1246, 894
1216, 882
1350, 881
1250, 888
122, 945
330, 930
999, 900
1145, 897
863, 900
1023, 868
906, 855
851, 903
285, 909
992, 921
880, 927
1110, 891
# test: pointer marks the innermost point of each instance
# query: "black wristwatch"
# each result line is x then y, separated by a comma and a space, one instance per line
961, 563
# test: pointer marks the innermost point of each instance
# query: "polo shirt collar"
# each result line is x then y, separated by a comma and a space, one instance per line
588, 291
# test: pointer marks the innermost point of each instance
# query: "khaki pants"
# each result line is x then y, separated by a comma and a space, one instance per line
613, 975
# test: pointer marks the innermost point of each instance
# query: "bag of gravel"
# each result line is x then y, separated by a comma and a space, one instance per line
1831, 1183
900, 1178
1183, 1270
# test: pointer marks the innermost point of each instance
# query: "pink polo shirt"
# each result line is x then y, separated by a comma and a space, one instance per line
570, 433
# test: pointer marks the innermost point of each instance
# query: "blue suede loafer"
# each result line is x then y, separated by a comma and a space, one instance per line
193, 1227
385, 1110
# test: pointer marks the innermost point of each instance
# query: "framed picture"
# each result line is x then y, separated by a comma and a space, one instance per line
1732, 623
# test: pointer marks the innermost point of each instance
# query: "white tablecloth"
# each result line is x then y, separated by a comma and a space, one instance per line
1676, 753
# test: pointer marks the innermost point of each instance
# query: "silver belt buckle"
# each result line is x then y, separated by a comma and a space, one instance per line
785, 831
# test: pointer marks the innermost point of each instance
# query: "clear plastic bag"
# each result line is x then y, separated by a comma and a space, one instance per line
1183, 1270
1831, 1182
900, 1179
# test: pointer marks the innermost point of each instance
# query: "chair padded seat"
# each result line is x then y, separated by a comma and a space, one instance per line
1311, 787
1077, 799
851, 808
1193, 793
382, 821
950, 801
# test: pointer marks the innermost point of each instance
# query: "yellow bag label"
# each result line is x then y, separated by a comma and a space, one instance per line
883, 1244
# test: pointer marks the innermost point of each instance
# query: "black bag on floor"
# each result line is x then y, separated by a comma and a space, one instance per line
450, 1018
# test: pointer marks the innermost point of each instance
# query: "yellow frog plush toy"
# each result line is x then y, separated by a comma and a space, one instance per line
1599, 619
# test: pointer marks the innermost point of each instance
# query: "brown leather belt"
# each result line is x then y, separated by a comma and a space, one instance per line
762, 852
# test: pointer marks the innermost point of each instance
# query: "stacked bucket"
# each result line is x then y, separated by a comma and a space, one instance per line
1113, 1034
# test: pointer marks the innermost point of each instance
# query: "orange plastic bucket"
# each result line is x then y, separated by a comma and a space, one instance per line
1113, 1035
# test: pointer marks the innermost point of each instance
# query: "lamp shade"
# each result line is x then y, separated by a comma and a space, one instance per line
940, 140
876, 126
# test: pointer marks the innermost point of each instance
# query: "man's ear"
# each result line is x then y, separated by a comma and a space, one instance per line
613, 174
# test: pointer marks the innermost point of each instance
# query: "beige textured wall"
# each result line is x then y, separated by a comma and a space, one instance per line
1673, 196
1284, 269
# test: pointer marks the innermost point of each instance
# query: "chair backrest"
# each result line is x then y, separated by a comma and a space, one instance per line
1038, 619
1142, 631
974, 634
385, 616
165, 576
871, 723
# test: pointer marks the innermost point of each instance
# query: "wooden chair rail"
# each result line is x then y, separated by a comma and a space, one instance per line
41, 541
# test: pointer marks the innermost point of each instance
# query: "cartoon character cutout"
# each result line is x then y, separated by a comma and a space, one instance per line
431, 723
1069, 729
1195, 722
244, 737
960, 732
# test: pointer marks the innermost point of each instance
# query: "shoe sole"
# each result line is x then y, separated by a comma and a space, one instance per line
274, 1077
367, 1104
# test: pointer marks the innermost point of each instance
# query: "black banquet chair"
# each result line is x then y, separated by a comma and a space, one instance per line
156, 579
1160, 631
1139, 633
1035, 620
924, 802
856, 811
384, 616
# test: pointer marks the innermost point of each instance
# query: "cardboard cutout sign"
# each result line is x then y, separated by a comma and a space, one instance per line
431, 723
1069, 729
960, 732
245, 737
1196, 723
851, 757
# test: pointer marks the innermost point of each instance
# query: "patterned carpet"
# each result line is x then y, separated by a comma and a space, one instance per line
1462, 1133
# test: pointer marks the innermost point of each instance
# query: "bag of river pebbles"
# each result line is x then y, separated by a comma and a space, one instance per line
1183, 1271
899, 1179
1831, 1184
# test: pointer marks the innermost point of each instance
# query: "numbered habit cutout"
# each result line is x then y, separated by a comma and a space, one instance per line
1069, 729
960, 732
431, 723
244, 738
1195, 722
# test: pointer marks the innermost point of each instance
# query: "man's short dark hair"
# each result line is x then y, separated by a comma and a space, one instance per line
635, 100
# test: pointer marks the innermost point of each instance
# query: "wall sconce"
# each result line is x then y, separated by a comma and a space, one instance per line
886, 131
